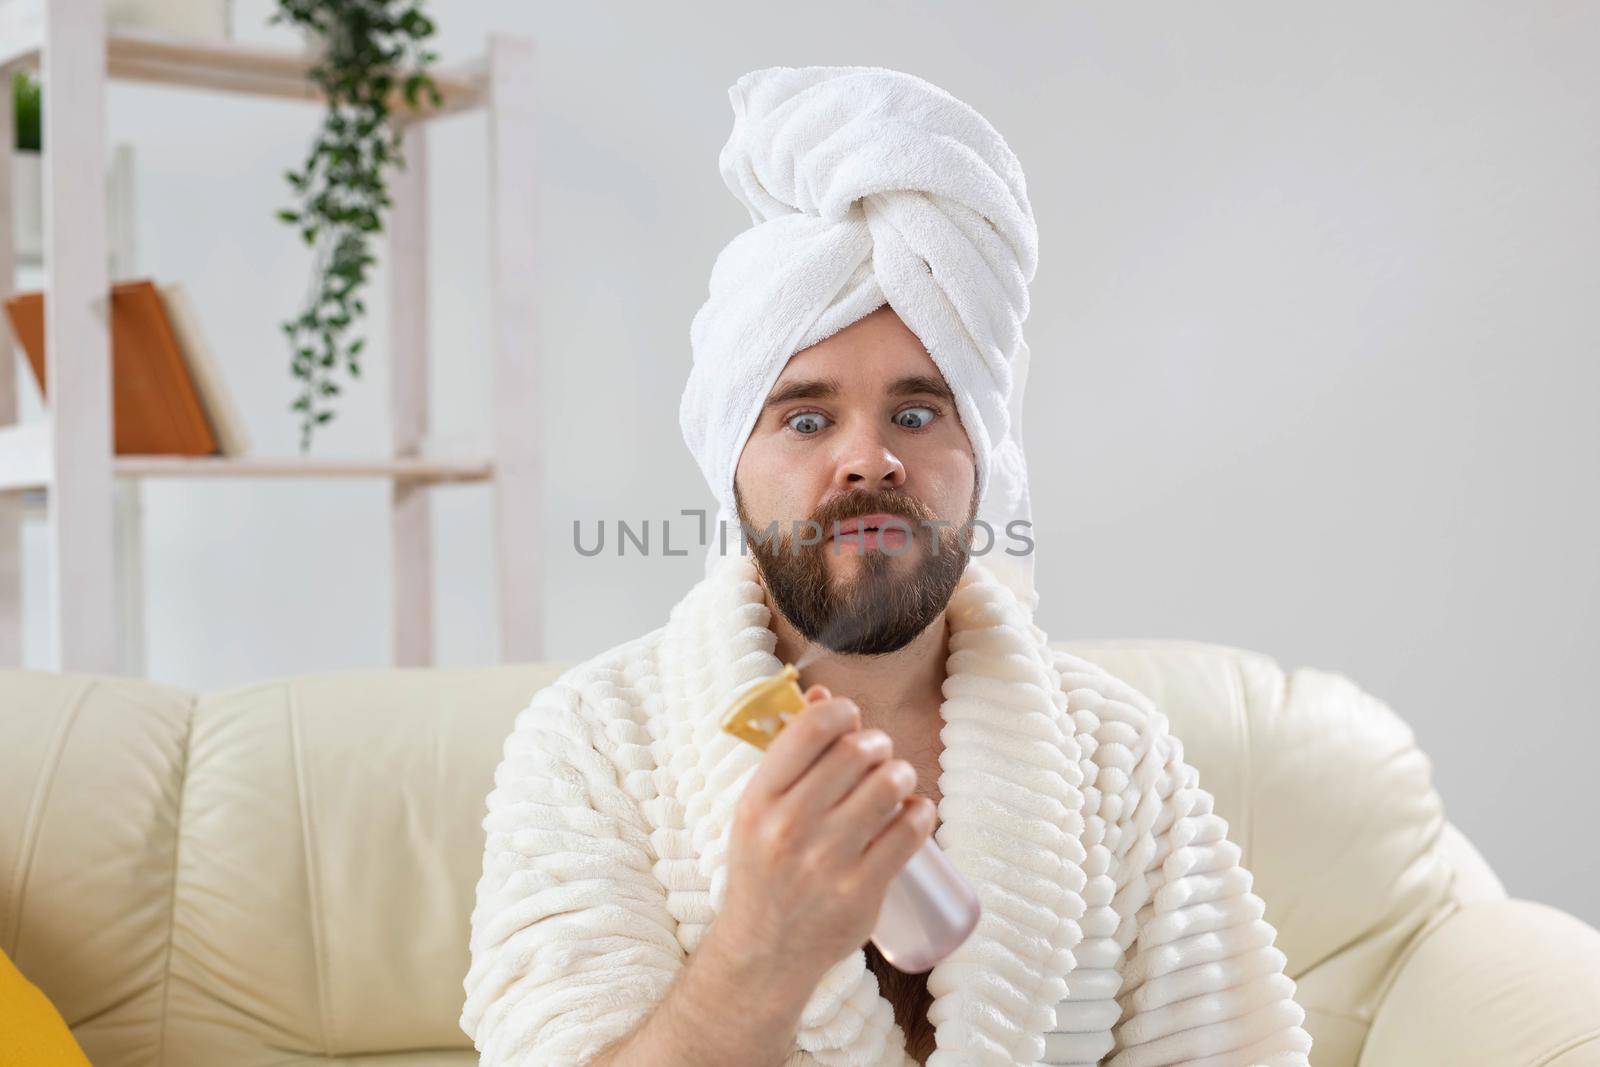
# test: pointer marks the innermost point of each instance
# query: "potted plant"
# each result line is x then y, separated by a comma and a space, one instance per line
27, 190
365, 51
27, 180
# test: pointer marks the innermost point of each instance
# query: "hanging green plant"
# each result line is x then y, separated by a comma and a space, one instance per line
369, 47
25, 108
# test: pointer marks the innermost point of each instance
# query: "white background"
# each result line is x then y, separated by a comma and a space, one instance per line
1315, 335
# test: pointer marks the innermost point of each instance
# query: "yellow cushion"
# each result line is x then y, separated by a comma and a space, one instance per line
36, 1035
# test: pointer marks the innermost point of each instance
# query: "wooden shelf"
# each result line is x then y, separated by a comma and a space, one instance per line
431, 471
65, 464
26, 463
228, 66
35, 496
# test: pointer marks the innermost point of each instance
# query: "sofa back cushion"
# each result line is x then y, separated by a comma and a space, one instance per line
91, 770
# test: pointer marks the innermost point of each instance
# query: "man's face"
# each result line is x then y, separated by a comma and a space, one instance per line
860, 424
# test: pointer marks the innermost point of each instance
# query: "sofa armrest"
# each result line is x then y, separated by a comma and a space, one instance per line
1504, 982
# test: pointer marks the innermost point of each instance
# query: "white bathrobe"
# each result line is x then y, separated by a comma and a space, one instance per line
1118, 926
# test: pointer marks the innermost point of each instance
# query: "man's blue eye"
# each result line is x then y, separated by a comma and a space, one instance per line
804, 415
924, 422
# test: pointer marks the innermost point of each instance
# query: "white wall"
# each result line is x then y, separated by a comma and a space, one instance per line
1315, 340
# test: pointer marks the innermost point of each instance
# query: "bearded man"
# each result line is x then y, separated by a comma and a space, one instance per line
656, 891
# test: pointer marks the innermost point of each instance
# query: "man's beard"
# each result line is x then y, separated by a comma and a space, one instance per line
884, 605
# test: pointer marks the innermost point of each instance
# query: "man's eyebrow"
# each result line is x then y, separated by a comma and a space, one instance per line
803, 389
825, 388
922, 383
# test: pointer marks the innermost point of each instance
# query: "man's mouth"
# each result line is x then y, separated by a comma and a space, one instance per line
874, 522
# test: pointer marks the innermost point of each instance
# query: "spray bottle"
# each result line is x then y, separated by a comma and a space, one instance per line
929, 909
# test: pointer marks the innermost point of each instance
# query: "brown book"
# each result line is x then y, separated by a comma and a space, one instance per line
155, 405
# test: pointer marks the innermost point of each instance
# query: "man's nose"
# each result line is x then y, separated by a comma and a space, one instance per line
867, 462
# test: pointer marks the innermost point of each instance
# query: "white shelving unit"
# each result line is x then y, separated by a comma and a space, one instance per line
68, 453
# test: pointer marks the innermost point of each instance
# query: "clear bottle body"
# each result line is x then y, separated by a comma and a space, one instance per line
928, 911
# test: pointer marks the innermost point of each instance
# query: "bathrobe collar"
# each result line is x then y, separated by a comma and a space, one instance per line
1011, 811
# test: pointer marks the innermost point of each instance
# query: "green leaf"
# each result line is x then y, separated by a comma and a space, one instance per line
289, 216
324, 416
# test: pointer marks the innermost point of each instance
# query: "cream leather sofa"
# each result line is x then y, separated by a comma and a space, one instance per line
282, 874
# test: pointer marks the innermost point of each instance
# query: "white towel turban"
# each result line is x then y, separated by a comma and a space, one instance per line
868, 186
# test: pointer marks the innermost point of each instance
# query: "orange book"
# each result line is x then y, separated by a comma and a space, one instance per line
156, 407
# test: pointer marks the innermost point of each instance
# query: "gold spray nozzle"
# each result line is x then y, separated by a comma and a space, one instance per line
764, 707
